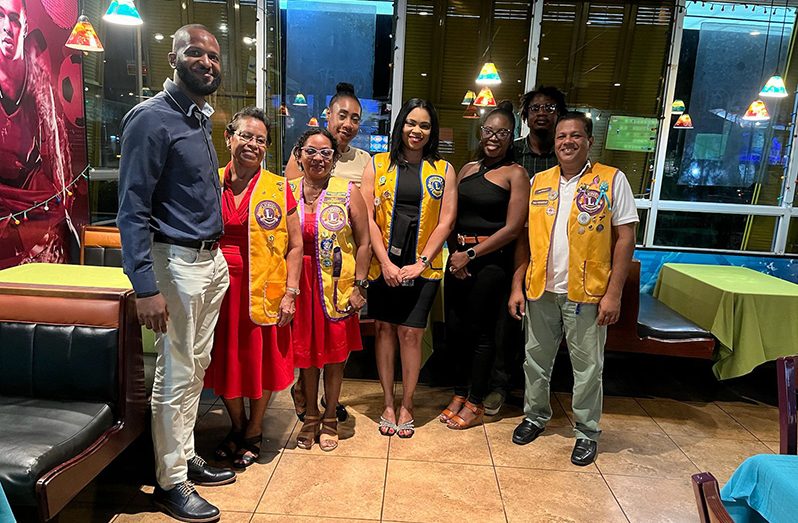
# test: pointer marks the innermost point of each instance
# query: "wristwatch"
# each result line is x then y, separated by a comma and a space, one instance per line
471, 253
363, 284
423, 259
292, 290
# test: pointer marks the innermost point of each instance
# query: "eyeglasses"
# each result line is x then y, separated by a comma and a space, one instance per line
247, 137
488, 132
325, 153
547, 108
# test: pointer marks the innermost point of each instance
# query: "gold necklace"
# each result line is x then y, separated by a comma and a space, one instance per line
319, 188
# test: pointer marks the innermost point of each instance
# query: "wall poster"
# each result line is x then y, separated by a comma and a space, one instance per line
43, 192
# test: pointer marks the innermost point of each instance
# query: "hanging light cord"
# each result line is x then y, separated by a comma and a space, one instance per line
767, 40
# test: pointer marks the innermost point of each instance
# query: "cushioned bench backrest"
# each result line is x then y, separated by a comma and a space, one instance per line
100, 246
60, 347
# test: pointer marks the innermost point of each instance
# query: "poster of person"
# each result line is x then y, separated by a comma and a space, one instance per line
43, 196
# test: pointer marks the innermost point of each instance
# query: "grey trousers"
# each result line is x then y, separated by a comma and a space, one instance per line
547, 320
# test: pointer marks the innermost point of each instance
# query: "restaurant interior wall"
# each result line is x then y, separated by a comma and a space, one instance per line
612, 58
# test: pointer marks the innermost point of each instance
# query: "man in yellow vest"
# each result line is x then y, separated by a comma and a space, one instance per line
568, 279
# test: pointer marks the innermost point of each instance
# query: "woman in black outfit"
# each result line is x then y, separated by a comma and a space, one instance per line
493, 194
412, 199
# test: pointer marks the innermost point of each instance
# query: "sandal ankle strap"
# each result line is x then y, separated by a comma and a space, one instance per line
476, 409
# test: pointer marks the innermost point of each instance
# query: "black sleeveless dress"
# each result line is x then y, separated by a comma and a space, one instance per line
475, 304
404, 305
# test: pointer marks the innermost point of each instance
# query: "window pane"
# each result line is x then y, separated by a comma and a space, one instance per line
444, 57
609, 60
359, 55
641, 227
792, 237
725, 157
715, 231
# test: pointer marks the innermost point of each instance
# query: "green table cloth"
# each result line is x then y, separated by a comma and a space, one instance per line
75, 276
753, 315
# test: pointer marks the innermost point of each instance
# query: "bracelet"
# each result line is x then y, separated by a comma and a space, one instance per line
292, 290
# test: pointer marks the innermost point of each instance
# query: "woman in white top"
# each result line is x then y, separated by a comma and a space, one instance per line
343, 122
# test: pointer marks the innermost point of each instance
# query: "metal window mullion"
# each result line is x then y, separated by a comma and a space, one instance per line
719, 208
533, 52
665, 127
400, 31
788, 187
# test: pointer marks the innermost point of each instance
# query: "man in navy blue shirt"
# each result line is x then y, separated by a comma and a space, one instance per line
170, 220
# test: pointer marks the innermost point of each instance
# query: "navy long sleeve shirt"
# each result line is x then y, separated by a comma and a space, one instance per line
168, 180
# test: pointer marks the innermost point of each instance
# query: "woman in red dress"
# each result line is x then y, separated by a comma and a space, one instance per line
334, 268
252, 354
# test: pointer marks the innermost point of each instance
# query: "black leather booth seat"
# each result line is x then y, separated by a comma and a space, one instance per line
71, 389
58, 386
36, 435
657, 320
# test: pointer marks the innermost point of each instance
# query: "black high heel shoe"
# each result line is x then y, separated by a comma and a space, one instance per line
229, 446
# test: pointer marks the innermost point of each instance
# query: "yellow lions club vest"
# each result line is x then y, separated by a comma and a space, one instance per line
433, 180
589, 232
335, 245
268, 245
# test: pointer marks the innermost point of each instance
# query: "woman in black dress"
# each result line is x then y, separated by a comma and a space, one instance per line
492, 194
412, 202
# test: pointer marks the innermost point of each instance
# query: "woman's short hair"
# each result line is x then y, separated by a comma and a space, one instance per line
313, 131
505, 108
250, 112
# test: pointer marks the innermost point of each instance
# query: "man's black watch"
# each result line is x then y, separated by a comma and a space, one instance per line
363, 284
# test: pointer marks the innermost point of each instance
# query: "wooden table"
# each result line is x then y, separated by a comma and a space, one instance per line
753, 315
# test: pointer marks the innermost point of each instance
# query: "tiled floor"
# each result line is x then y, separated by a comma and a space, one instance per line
649, 449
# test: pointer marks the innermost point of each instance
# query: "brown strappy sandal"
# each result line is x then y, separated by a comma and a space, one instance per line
310, 430
458, 423
328, 438
447, 414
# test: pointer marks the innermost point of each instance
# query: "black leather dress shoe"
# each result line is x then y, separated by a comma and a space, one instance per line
200, 473
584, 452
526, 432
183, 503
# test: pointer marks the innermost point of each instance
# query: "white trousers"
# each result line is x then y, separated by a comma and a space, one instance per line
193, 283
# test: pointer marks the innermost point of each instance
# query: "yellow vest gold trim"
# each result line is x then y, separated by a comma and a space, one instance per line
268, 246
589, 232
433, 181
335, 245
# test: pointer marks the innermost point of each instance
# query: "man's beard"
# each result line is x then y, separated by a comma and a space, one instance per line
194, 84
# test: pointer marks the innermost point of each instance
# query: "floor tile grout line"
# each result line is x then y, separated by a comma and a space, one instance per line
385, 480
495, 474
330, 518
668, 435
623, 511
738, 422
281, 453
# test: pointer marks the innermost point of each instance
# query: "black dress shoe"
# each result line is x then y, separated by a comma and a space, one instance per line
183, 503
584, 452
200, 473
526, 432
